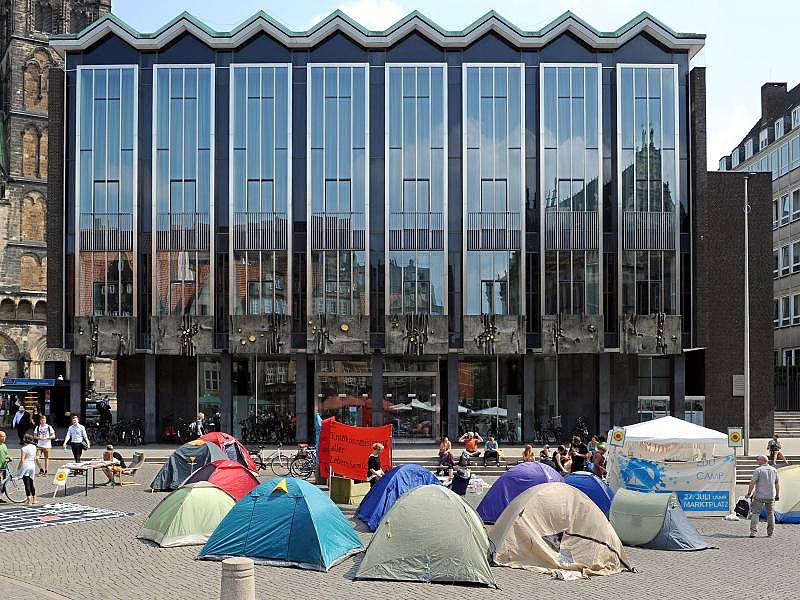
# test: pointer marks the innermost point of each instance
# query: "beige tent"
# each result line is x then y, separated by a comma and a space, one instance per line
555, 528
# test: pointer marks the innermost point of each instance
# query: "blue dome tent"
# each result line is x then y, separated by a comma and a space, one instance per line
594, 487
288, 523
389, 488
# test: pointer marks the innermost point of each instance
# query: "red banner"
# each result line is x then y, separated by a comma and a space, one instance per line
350, 447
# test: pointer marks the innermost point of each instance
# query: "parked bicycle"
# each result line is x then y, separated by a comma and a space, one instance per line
304, 462
277, 462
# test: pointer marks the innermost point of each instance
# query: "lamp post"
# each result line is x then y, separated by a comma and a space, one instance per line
746, 209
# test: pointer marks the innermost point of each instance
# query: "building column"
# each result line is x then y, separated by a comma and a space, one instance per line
528, 396
77, 374
301, 397
377, 390
678, 399
452, 396
603, 393
150, 387
226, 392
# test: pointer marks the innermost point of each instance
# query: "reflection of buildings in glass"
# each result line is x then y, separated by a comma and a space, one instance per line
418, 293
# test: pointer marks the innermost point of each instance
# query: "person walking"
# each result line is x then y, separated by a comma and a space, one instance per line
764, 489
28, 463
44, 436
374, 470
4, 459
21, 422
77, 438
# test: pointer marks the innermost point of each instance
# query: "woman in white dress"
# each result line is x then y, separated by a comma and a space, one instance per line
28, 466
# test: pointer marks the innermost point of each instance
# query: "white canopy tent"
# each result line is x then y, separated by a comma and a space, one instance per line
672, 455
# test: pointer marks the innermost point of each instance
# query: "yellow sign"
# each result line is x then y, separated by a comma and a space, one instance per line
735, 437
617, 436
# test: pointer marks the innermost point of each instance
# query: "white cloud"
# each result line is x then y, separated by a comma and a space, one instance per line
374, 14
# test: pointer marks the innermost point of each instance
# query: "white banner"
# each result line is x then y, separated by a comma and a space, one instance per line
704, 488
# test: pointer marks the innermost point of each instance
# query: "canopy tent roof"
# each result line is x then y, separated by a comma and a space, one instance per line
669, 429
390, 487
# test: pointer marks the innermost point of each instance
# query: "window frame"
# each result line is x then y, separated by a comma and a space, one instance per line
796, 117
779, 128
748, 148
763, 139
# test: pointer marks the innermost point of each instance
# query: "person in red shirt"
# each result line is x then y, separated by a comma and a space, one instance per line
471, 441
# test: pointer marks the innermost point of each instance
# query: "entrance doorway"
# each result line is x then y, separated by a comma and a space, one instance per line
412, 403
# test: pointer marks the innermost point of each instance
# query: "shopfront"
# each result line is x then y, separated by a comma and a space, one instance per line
490, 397
412, 398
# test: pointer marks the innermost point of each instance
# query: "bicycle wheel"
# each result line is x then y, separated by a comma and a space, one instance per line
302, 467
15, 489
280, 465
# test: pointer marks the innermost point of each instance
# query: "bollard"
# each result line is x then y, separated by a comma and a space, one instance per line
238, 579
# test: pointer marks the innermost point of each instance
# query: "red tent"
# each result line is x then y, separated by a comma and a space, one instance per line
232, 447
228, 475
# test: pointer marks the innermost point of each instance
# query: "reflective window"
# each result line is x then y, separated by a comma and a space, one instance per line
649, 175
571, 172
416, 171
748, 149
779, 128
260, 200
493, 188
735, 158
182, 169
106, 190
337, 123
763, 139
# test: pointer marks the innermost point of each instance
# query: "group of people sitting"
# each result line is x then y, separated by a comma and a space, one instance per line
580, 456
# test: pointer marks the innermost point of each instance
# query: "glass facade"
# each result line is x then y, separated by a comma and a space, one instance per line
571, 164
411, 392
260, 191
416, 167
264, 399
490, 397
183, 142
493, 188
343, 389
338, 183
648, 121
106, 190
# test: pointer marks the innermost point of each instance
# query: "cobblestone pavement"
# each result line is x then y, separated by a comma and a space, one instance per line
103, 559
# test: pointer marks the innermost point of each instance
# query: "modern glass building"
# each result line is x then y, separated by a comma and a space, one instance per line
487, 229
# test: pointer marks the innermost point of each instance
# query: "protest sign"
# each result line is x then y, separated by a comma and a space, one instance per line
350, 447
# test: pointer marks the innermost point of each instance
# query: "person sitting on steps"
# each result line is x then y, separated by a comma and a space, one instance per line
492, 450
471, 441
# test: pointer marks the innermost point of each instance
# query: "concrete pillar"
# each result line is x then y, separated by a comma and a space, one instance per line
452, 396
603, 393
528, 396
377, 390
226, 392
678, 396
238, 579
151, 433
301, 396
77, 374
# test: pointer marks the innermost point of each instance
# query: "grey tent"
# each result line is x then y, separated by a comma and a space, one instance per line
183, 462
430, 534
654, 521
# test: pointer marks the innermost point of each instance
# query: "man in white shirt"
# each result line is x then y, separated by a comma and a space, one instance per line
44, 435
77, 438
764, 489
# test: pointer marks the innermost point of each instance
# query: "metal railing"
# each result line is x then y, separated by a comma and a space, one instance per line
338, 231
183, 231
106, 231
416, 231
648, 230
260, 230
493, 231
571, 230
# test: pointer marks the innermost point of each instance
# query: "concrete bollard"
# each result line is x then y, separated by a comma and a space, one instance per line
238, 579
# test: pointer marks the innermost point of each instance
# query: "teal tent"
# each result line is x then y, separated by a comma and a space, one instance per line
288, 523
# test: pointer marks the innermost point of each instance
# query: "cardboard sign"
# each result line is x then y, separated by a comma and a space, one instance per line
735, 437
350, 448
617, 437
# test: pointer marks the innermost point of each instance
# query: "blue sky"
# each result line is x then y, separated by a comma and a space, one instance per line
745, 45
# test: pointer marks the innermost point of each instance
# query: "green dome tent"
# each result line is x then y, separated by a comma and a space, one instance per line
430, 534
654, 521
188, 516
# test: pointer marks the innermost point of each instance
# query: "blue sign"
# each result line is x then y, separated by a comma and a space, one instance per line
704, 501
20, 381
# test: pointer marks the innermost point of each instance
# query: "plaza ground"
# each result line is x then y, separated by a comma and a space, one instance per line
103, 559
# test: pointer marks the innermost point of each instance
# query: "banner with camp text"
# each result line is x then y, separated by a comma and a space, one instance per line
350, 447
704, 488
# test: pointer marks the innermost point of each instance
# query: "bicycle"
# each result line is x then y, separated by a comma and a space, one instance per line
278, 462
304, 462
12, 486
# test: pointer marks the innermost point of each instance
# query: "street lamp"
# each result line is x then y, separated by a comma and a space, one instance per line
746, 209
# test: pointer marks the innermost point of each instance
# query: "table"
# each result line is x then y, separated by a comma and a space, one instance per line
85, 467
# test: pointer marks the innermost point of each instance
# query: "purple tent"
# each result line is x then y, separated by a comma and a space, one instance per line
511, 484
